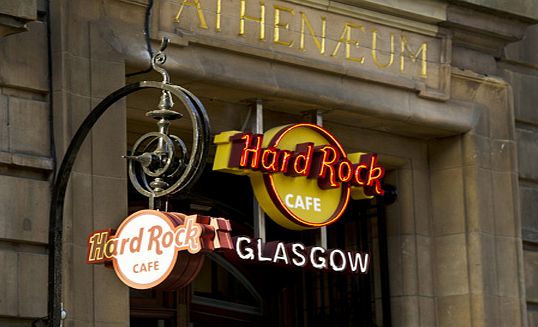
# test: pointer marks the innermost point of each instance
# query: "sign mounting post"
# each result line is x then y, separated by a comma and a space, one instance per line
317, 117
259, 215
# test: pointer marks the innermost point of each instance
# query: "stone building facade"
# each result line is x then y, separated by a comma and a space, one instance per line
445, 91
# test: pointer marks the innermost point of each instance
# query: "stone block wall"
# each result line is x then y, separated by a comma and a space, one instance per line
519, 66
85, 70
15, 14
26, 164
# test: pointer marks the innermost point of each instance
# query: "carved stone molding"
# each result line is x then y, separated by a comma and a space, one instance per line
484, 31
15, 14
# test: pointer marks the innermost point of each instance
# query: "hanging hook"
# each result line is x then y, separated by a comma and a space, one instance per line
159, 59
165, 41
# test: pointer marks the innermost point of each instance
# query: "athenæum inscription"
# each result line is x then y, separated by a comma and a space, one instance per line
315, 36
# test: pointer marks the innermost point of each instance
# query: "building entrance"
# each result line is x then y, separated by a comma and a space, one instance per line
230, 292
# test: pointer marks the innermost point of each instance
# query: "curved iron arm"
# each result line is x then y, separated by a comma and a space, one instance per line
64, 173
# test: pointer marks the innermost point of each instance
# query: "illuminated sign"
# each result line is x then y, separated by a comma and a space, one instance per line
302, 178
165, 250
147, 248
297, 254
301, 175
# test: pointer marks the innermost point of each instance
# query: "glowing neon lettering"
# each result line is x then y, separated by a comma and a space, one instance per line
326, 163
300, 173
296, 254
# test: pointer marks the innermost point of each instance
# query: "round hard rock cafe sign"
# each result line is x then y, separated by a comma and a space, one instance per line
301, 175
148, 249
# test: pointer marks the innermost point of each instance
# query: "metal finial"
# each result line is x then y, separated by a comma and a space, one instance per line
160, 163
159, 59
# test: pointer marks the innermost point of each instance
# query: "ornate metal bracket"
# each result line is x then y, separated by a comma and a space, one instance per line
157, 155
159, 163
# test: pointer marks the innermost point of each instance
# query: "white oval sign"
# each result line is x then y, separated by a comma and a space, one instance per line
144, 254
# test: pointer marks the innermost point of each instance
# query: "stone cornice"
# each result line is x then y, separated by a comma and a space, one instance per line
425, 11
482, 30
14, 14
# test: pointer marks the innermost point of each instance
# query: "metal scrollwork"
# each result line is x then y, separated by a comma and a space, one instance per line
159, 163
159, 59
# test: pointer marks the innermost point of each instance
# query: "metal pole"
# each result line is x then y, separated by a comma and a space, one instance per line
259, 215
323, 230
316, 117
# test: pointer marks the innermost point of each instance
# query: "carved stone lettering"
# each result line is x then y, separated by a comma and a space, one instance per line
346, 41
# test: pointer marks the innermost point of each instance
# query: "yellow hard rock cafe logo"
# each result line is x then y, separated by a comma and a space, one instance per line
300, 174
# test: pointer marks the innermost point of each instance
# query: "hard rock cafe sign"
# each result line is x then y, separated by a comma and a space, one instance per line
301, 175
148, 249
302, 178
